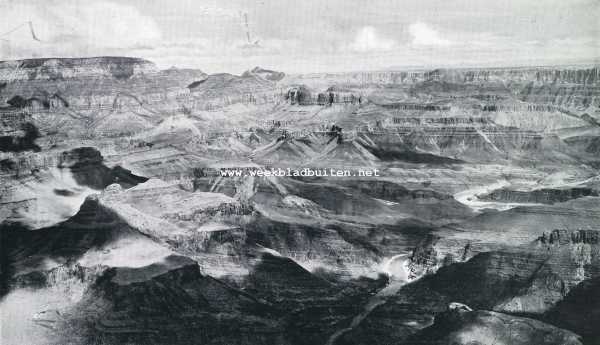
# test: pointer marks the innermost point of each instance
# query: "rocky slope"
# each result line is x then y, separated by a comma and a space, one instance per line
46, 188
180, 303
531, 280
578, 311
458, 326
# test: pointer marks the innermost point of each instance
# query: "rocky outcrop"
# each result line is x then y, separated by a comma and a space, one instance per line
389, 154
165, 203
463, 327
558, 261
265, 74
314, 306
43, 189
579, 311
578, 97
391, 191
565, 237
21, 139
472, 76
330, 247
538, 196
424, 258
179, 303
281, 280
86, 164
223, 89
82, 90
589, 144
65, 68
446, 144
25, 251
206, 226
530, 280
546, 75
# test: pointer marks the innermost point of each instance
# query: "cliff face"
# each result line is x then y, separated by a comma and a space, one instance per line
29, 257
463, 327
20, 138
583, 75
108, 281
172, 295
574, 96
265, 74
570, 256
547, 75
542, 196
424, 258
223, 89
55, 185
447, 139
306, 218
315, 303
579, 311
475, 144
120, 281
313, 245
83, 85
86, 164
120, 68
531, 280
564, 237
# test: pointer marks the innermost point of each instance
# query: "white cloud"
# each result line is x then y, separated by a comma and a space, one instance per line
424, 35
367, 39
76, 27
114, 25
213, 11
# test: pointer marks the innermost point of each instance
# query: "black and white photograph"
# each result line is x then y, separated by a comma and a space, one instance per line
299, 172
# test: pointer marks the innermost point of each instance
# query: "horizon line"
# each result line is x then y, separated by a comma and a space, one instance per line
595, 62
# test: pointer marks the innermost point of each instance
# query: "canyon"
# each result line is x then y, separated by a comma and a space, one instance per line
118, 226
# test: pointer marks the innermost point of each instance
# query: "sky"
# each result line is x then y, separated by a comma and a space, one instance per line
304, 36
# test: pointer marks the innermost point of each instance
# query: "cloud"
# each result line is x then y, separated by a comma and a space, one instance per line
215, 11
76, 27
367, 39
424, 35
113, 25
210, 34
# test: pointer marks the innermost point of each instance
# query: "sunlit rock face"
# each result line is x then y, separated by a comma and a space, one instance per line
49, 188
468, 327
